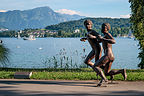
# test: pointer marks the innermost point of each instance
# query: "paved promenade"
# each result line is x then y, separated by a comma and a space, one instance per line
20, 87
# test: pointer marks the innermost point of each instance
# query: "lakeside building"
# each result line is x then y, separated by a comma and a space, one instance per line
3, 29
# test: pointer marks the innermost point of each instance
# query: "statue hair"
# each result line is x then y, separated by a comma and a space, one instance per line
106, 24
87, 21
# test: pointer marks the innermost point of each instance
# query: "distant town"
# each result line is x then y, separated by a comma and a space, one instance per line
38, 33
41, 33
3, 29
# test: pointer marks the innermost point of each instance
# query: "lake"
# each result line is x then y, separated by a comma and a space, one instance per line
65, 52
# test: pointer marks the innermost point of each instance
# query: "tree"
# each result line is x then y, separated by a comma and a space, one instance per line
137, 20
3, 54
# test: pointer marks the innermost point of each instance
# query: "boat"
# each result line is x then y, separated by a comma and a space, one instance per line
130, 35
18, 37
31, 37
1, 42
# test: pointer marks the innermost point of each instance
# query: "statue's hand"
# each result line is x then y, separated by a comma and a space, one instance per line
100, 37
83, 39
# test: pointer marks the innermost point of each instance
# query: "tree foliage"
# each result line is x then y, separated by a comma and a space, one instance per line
119, 26
137, 20
3, 54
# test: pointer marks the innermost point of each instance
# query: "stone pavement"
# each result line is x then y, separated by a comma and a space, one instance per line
24, 87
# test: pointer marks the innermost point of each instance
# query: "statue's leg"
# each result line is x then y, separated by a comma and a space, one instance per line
90, 56
98, 53
111, 73
98, 70
121, 71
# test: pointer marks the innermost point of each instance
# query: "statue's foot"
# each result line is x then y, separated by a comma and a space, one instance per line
111, 77
124, 74
106, 80
101, 82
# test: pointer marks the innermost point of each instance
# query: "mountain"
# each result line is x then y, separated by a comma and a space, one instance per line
34, 18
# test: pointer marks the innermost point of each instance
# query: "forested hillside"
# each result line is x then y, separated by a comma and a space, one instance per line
118, 26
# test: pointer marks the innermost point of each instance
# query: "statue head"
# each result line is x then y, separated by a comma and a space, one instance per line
105, 27
88, 24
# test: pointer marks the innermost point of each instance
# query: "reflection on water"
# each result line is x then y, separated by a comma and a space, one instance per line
47, 52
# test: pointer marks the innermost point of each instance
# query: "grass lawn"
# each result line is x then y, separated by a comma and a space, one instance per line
68, 74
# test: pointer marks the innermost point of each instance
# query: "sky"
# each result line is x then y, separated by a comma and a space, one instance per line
89, 8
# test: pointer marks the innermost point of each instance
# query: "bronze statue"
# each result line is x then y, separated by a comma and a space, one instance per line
93, 41
108, 57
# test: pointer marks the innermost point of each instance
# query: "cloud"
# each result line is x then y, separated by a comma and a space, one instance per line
125, 16
66, 11
2, 10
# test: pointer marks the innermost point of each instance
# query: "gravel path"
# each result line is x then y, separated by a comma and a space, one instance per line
21, 87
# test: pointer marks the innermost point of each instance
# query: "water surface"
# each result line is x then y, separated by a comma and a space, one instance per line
37, 53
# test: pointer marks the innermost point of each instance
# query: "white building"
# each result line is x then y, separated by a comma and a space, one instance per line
3, 29
77, 31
